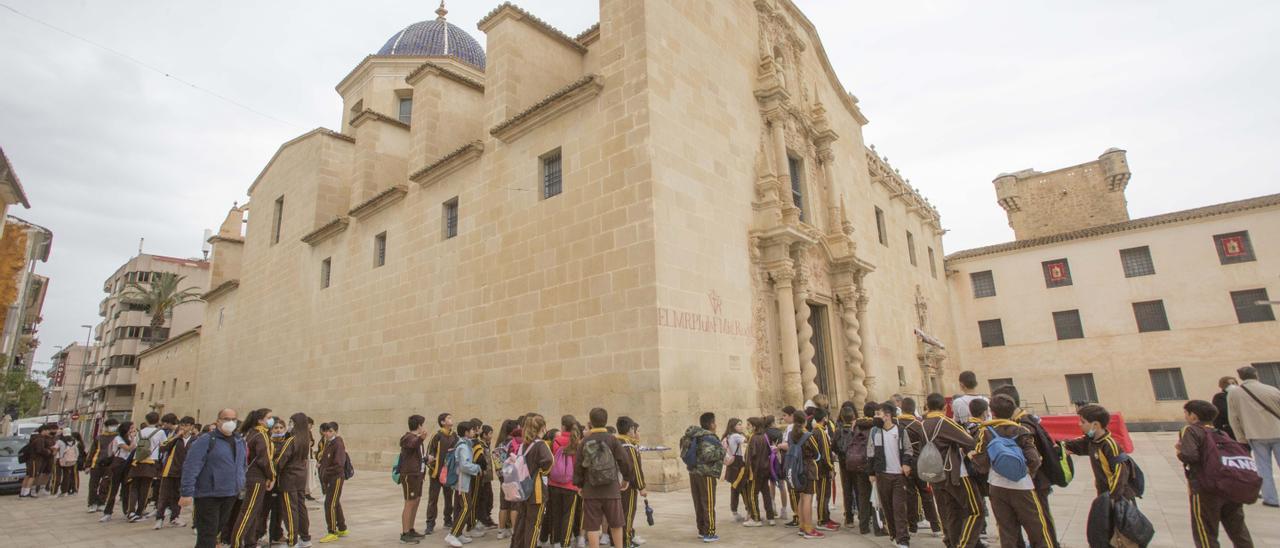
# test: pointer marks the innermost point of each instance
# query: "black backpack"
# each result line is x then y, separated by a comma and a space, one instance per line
24, 454
1050, 453
1137, 478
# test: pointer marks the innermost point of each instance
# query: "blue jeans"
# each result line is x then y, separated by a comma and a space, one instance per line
1263, 453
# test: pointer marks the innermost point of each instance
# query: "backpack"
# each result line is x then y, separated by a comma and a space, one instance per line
348, 471
855, 452
929, 465
395, 471
728, 458
1227, 470
775, 464
70, 455
794, 463
517, 484
1137, 478
562, 470
449, 472
602, 468
145, 445
690, 454
1006, 456
1065, 464
1051, 452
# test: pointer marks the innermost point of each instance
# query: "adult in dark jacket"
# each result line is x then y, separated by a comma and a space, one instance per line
212, 477
1222, 422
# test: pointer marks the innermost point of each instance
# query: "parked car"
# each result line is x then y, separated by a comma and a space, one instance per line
11, 473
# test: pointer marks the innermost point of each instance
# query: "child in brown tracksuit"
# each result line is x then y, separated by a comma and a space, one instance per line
333, 470
538, 459
629, 435
174, 453
601, 502
99, 463
259, 478
890, 458
1207, 510
1014, 502
919, 488
437, 450
956, 496
1111, 467
759, 471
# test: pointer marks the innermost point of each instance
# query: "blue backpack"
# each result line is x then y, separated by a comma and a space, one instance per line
1006, 456
794, 461
395, 471
450, 470
690, 456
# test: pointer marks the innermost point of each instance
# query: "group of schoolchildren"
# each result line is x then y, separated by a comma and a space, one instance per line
141, 467
559, 487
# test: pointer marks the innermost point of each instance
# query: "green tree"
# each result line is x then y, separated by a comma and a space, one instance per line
161, 295
21, 392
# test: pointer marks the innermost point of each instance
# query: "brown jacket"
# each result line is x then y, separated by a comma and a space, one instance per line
758, 450
412, 457
261, 456
629, 446
951, 439
1191, 441
1008, 429
100, 452
612, 491
1109, 476
333, 459
176, 447
438, 448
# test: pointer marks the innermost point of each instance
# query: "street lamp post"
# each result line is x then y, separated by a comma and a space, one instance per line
84, 365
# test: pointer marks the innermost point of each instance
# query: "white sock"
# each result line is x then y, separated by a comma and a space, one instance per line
26, 491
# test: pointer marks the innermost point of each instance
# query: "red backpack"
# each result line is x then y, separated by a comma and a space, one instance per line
1227, 470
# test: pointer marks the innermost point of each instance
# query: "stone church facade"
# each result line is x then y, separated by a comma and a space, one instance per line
671, 212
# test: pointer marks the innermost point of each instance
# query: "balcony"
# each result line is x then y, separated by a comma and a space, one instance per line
119, 376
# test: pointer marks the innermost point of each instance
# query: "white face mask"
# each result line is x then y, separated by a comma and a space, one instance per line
228, 427
271, 422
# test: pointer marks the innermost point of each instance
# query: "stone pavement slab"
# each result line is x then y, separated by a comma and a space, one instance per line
373, 503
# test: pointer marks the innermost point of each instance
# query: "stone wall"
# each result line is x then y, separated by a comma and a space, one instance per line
1072, 198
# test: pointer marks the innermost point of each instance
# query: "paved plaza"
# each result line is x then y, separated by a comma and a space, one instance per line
372, 505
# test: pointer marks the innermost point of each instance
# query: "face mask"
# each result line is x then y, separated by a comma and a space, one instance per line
878, 422
271, 422
227, 427
277, 434
111, 429
1089, 433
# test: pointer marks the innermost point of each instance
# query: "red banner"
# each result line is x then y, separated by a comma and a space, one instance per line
1067, 427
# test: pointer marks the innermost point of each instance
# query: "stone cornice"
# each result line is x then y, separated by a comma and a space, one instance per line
510, 11
448, 164
224, 289
370, 114
439, 70
589, 36
171, 341
379, 202
224, 239
294, 141
326, 231
559, 102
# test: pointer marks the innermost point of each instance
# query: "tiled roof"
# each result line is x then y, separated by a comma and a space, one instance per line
1135, 224
445, 72
472, 148
435, 38
590, 82
539, 24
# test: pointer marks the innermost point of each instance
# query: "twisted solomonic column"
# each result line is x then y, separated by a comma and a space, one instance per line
808, 371
853, 347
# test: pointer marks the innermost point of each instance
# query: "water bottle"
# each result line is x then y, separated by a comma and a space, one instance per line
648, 512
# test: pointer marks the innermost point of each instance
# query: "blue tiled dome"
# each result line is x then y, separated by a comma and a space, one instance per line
437, 37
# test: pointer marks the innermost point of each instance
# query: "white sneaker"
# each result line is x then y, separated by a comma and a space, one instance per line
502, 534
582, 541
159, 525
901, 546
93, 509
452, 541
637, 539
773, 523
751, 523
105, 518
304, 544
476, 533
465, 539
738, 517
177, 523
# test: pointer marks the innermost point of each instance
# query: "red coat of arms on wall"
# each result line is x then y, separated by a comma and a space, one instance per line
1233, 246
1057, 272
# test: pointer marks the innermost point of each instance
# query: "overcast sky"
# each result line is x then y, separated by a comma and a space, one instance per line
957, 92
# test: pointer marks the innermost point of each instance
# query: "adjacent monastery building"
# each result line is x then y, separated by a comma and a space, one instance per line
1088, 305
671, 212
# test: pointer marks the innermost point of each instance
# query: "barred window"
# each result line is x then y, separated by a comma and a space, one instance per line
1137, 262
451, 218
1168, 384
1234, 247
1247, 308
1080, 388
1067, 324
1269, 373
797, 192
991, 332
1057, 273
984, 284
380, 250
1150, 316
406, 109
551, 174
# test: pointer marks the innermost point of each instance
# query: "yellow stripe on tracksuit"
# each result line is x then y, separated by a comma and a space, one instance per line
1202, 537
568, 528
1049, 541
711, 506
537, 526
333, 505
248, 512
975, 511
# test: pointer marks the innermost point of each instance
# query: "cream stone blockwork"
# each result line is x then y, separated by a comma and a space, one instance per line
166, 373
1089, 194
658, 283
1205, 340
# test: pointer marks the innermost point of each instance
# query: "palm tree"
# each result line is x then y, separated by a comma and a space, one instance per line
161, 295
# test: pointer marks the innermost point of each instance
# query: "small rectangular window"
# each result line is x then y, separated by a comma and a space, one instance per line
451, 218
380, 250
1150, 316
933, 265
173, 388
406, 109
1137, 262
551, 174
984, 284
995, 384
880, 228
911, 248
1269, 373
326, 267
277, 217
1252, 306
794, 166
991, 332
1056, 273
1234, 247
1067, 324
1168, 384
1080, 388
